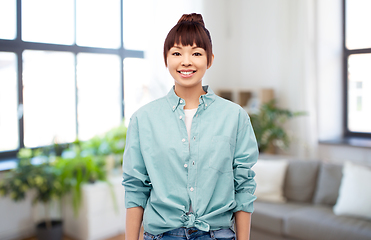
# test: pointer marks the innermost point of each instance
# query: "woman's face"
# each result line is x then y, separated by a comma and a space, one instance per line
187, 64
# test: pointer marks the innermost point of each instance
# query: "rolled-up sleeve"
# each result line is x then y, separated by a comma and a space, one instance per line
135, 177
245, 156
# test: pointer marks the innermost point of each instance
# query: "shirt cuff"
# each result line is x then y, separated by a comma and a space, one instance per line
135, 199
244, 202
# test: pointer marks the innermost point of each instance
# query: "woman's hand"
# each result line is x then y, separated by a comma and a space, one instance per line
134, 217
243, 225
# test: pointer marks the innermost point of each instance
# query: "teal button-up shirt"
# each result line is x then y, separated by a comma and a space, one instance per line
165, 173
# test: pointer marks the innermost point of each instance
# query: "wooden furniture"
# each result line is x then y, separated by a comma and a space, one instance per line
243, 96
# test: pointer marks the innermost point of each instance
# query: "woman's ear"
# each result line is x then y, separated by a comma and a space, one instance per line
211, 62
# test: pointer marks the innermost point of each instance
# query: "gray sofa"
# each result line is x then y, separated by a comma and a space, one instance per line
311, 188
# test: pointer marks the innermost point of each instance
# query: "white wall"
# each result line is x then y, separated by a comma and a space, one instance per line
246, 42
262, 46
16, 220
329, 69
293, 47
342, 153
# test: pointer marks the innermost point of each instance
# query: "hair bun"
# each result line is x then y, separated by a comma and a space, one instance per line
193, 17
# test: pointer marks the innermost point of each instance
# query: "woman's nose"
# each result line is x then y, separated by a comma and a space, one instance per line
186, 61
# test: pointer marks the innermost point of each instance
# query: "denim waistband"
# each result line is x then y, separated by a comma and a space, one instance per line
195, 232
183, 232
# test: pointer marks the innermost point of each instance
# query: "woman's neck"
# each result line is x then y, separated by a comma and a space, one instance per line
191, 95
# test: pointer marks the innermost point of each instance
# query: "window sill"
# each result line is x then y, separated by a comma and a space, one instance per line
349, 141
7, 164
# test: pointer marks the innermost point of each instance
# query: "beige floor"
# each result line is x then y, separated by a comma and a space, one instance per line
119, 237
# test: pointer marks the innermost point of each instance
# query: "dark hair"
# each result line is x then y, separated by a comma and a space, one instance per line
189, 30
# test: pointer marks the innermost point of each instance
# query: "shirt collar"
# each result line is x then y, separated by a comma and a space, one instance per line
206, 99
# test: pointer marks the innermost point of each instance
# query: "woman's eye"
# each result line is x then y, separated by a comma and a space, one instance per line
176, 54
197, 54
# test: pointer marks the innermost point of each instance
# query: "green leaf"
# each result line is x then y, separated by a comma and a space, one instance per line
268, 125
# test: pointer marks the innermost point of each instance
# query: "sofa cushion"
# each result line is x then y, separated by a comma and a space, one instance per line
270, 177
355, 191
319, 222
269, 217
301, 180
328, 183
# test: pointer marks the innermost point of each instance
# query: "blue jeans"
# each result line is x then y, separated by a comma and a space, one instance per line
192, 234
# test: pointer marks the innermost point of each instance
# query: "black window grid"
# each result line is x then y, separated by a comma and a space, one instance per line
18, 46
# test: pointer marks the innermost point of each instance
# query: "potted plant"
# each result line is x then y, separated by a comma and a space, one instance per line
43, 179
111, 146
83, 170
78, 170
115, 139
268, 126
56, 170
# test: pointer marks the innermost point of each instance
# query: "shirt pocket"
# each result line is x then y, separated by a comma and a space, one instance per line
221, 154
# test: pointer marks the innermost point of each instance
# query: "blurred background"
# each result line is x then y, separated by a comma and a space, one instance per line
72, 72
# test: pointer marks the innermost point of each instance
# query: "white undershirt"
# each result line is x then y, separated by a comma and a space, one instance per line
189, 113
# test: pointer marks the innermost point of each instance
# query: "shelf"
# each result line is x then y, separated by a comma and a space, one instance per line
243, 96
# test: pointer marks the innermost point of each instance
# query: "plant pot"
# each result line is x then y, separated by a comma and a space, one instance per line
97, 217
55, 233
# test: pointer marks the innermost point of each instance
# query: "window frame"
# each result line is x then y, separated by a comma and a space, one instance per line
18, 46
346, 54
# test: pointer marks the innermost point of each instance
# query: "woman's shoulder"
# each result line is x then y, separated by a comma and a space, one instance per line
231, 106
234, 112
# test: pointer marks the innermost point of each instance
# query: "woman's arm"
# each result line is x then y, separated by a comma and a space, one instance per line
135, 180
134, 217
246, 155
243, 224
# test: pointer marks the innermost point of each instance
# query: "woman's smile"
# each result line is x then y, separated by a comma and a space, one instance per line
186, 73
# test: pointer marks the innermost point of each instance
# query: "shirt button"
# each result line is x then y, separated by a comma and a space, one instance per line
193, 163
180, 117
205, 104
185, 165
194, 138
183, 140
173, 107
181, 101
191, 189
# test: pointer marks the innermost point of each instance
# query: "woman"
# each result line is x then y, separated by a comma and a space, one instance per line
188, 155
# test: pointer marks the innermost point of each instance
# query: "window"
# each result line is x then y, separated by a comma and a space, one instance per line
9, 137
48, 97
357, 68
61, 71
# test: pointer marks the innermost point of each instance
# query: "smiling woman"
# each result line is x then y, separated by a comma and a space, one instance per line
188, 155
187, 64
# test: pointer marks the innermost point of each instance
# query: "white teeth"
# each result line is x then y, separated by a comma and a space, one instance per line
186, 73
